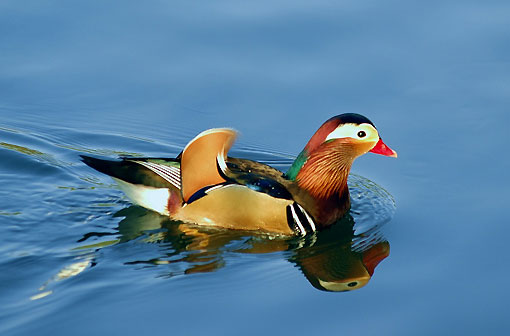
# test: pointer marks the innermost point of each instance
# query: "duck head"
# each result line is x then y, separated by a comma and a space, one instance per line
324, 164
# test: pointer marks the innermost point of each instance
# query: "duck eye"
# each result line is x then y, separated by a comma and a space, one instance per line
362, 134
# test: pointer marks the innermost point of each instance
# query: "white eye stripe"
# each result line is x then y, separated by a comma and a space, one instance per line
352, 131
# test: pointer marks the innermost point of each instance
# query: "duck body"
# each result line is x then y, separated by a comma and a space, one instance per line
253, 202
204, 186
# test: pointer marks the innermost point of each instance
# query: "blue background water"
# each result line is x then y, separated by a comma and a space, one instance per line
124, 77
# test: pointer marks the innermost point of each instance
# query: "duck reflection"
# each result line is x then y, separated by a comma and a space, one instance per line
335, 259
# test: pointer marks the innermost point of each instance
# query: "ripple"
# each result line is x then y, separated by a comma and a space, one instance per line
371, 205
93, 230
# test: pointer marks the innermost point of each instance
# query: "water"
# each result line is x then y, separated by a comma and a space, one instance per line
131, 79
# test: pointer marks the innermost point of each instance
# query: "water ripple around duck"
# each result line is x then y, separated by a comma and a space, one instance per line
66, 220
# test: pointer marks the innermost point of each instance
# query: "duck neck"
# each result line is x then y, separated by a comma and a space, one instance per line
324, 176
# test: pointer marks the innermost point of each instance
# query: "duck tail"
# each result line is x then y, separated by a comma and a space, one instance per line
151, 183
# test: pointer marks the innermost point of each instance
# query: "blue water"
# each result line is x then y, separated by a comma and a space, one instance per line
126, 78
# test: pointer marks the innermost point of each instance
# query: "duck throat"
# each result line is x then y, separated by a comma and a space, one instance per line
324, 175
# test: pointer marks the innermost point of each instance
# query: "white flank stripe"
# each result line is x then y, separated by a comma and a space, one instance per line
221, 162
298, 222
214, 188
310, 220
170, 174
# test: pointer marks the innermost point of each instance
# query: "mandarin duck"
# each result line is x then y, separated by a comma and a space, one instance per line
205, 187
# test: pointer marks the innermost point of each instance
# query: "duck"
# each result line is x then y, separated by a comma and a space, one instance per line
206, 187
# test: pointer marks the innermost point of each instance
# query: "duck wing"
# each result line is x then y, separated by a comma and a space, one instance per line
257, 176
201, 158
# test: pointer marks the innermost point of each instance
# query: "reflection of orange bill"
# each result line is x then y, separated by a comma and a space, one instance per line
373, 256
